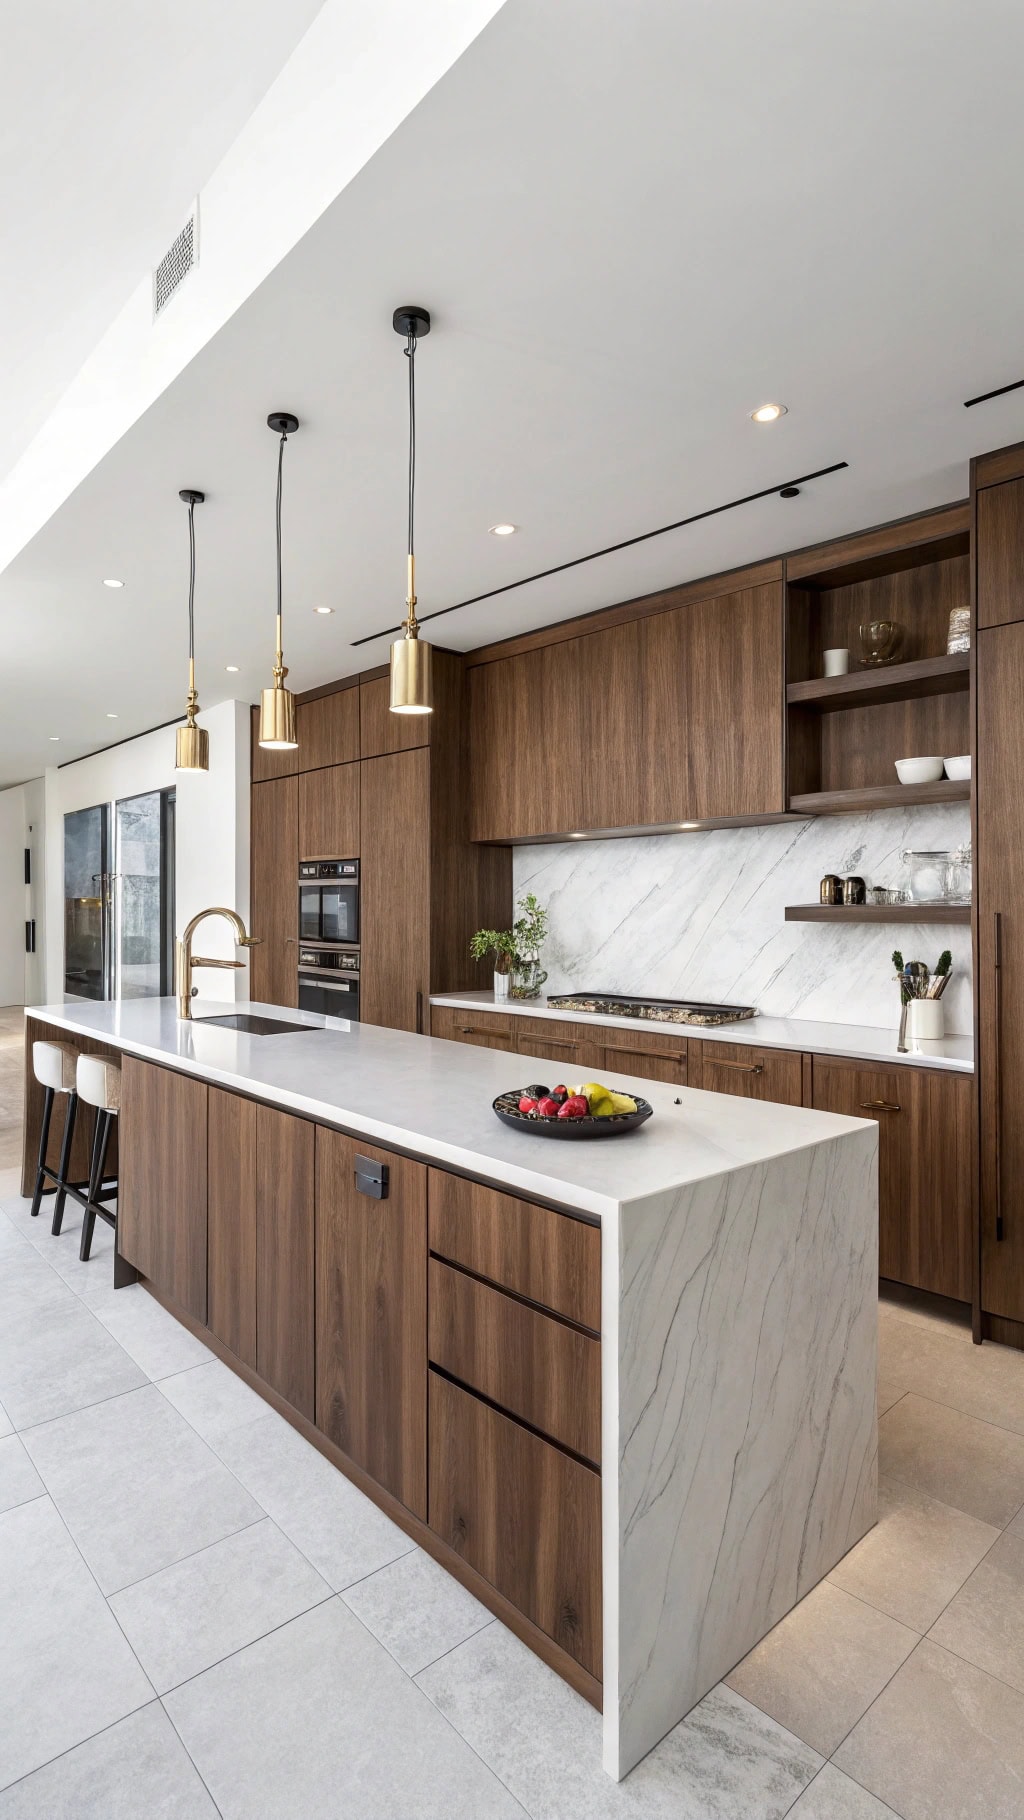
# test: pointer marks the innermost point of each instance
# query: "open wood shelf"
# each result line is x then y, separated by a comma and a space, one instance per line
878, 913
895, 682
880, 796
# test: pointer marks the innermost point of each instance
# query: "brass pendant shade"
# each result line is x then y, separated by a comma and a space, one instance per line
277, 704
411, 669
192, 743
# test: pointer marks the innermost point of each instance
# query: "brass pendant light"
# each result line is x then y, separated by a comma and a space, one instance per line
192, 743
277, 705
411, 686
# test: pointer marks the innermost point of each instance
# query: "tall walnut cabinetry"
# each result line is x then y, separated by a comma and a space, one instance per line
390, 791
998, 502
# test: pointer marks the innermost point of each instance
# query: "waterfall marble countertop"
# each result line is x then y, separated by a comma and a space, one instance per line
858, 1042
433, 1099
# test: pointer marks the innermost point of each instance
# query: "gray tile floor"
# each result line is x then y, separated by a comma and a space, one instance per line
199, 1616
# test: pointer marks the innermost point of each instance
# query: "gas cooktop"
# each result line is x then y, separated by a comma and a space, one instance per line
655, 1010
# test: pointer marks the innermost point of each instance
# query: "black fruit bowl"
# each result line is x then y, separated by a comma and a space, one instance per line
615, 1125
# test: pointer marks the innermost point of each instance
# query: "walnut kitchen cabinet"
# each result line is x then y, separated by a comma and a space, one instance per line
999, 870
162, 1204
999, 544
645, 1053
574, 1048
274, 891
751, 1074
924, 1118
371, 1311
488, 1030
394, 910
329, 812
232, 1221
285, 1348
328, 729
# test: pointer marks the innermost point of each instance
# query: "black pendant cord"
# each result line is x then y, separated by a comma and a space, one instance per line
191, 580
280, 467
410, 354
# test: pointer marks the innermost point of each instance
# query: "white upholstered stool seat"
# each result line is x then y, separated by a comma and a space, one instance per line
99, 1083
53, 1065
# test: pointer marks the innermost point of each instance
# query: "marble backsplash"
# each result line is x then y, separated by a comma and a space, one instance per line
702, 915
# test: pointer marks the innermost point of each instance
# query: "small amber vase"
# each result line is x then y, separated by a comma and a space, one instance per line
881, 642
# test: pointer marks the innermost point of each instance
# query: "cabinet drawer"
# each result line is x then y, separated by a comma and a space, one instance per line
524, 1514
641, 1052
535, 1366
575, 1046
480, 1027
754, 1074
548, 1257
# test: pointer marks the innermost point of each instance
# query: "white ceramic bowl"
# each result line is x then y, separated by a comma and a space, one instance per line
919, 770
959, 768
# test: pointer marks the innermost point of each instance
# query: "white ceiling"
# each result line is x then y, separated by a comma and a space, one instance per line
632, 225
115, 113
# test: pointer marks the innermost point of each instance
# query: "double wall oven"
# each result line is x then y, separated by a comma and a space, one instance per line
329, 937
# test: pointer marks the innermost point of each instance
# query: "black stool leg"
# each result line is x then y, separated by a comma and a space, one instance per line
44, 1139
65, 1161
99, 1156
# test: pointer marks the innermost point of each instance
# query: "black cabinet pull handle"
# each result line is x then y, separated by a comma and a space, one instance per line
997, 1067
372, 1178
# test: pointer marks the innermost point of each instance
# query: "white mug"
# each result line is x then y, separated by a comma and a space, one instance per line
837, 662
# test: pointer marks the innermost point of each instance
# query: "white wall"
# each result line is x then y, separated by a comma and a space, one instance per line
212, 833
703, 916
35, 893
12, 896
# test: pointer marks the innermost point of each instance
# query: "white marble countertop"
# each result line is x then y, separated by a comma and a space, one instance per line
861, 1042
433, 1099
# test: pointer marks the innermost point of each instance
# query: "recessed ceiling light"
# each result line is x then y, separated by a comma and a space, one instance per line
111, 716
767, 413
111, 581
323, 609
232, 669
54, 738
503, 530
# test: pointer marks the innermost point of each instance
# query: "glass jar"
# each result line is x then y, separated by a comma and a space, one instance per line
928, 875
960, 875
527, 979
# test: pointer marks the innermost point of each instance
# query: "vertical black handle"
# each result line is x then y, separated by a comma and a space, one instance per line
419, 1014
997, 1067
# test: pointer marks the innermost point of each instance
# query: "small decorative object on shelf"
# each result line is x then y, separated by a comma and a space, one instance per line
939, 877
516, 951
831, 889
854, 890
921, 1014
837, 661
881, 641
888, 894
959, 636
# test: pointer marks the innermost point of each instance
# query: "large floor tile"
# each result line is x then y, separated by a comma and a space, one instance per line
325, 1515
726, 1761
416, 1610
985, 1622
189, 1616
933, 1312
822, 1666
6, 1425
917, 1556
137, 1769
136, 1486
953, 1457
944, 1741
317, 1719
19, 1480
888, 1394
983, 1381
213, 1399
834, 1796
65, 1668
54, 1355
157, 1342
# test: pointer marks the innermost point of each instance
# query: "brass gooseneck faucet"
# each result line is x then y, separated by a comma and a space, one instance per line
184, 960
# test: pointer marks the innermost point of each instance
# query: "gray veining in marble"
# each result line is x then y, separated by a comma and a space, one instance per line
702, 915
743, 1419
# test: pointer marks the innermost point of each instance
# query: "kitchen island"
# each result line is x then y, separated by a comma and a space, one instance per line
625, 1389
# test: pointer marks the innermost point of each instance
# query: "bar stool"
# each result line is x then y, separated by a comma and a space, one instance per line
53, 1065
99, 1085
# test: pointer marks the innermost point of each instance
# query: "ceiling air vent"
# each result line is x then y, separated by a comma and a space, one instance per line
177, 262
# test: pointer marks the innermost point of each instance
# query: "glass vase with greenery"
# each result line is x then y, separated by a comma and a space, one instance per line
516, 951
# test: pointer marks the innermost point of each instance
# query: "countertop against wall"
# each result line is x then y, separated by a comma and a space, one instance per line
860, 1042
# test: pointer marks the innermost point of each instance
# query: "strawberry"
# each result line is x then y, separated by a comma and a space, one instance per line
527, 1104
548, 1108
575, 1107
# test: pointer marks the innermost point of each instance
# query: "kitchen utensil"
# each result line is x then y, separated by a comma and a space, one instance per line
940, 978
854, 890
959, 768
837, 661
881, 641
831, 889
507, 1108
959, 635
925, 1020
919, 770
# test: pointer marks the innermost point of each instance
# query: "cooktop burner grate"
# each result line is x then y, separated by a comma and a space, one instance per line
654, 1010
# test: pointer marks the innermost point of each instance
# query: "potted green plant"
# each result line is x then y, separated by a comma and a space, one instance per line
517, 969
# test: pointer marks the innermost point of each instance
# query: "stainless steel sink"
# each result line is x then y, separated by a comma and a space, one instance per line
253, 1024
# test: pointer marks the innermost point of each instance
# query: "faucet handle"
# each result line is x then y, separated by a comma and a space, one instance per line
251, 941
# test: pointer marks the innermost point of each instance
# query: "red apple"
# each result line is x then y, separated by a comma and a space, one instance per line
575, 1107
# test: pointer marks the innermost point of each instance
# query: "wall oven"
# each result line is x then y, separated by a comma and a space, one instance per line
329, 900
329, 981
